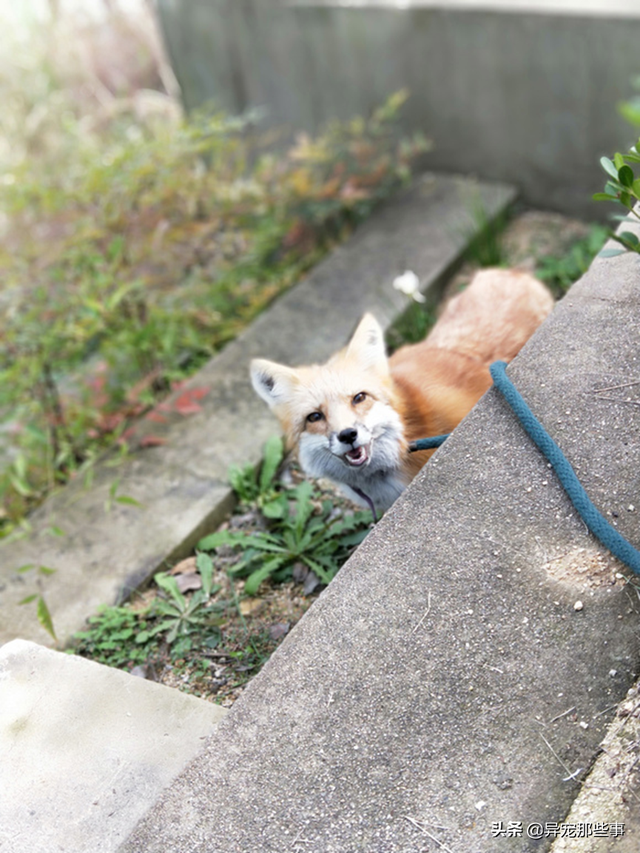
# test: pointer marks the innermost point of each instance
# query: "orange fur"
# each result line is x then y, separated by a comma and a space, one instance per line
354, 417
440, 379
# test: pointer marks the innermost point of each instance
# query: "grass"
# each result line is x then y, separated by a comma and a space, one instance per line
559, 272
137, 243
210, 623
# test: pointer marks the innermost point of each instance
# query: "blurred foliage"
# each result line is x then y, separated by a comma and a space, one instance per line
630, 110
130, 258
561, 271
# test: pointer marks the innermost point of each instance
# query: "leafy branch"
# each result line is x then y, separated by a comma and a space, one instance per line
623, 187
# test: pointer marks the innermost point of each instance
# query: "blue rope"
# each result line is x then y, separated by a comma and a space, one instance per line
595, 521
428, 443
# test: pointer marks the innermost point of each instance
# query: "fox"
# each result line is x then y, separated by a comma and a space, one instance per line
353, 419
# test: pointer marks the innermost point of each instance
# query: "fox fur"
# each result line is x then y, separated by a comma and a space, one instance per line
353, 418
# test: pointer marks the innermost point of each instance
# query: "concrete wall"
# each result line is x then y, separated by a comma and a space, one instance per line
522, 96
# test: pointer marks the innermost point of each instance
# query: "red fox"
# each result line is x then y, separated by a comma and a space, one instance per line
353, 418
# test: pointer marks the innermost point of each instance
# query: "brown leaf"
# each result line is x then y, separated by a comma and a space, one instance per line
276, 632
250, 606
188, 582
152, 441
184, 567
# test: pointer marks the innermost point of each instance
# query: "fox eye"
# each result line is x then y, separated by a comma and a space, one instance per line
359, 398
314, 417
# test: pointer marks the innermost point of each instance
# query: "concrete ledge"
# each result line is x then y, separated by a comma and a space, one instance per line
85, 750
426, 692
182, 485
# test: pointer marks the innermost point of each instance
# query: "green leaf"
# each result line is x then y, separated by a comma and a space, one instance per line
173, 633
618, 160
349, 540
278, 508
610, 253
264, 542
44, 617
28, 599
304, 506
604, 197
628, 238
609, 167
324, 575
128, 501
21, 486
273, 453
216, 540
169, 585
625, 176
204, 564
255, 578
163, 626
45, 570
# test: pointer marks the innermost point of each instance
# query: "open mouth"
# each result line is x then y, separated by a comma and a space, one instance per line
357, 456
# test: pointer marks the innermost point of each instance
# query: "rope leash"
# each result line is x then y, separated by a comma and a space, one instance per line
595, 521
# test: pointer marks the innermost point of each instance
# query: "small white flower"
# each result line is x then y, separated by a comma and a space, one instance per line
409, 284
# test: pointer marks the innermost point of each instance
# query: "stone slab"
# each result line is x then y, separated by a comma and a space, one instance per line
181, 487
438, 685
85, 749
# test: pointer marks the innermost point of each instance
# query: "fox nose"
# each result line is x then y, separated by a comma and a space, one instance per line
348, 436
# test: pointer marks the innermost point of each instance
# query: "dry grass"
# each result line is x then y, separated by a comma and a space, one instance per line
69, 69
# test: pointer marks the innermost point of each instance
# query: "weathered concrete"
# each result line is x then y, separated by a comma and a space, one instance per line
425, 693
182, 486
609, 794
512, 91
86, 749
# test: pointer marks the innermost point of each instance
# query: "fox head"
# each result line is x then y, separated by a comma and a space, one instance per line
341, 415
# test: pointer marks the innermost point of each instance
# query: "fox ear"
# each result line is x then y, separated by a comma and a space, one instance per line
273, 382
368, 346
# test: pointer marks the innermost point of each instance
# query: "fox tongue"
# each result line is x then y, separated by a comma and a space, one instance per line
357, 456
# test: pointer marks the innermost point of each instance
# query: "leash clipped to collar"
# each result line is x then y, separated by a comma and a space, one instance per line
595, 521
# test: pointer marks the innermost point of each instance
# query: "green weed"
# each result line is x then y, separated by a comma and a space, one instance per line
257, 486
117, 636
412, 326
630, 109
484, 236
319, 537
179, 615
560, 272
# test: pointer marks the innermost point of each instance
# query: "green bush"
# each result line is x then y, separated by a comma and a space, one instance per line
127, 267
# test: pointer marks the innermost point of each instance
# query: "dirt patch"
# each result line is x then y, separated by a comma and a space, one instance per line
586, 569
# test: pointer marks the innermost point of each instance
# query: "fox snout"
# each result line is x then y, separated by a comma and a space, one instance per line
348, 436
353, 445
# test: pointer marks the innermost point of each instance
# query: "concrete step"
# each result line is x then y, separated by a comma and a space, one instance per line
461, 671
85, 750
181, 487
